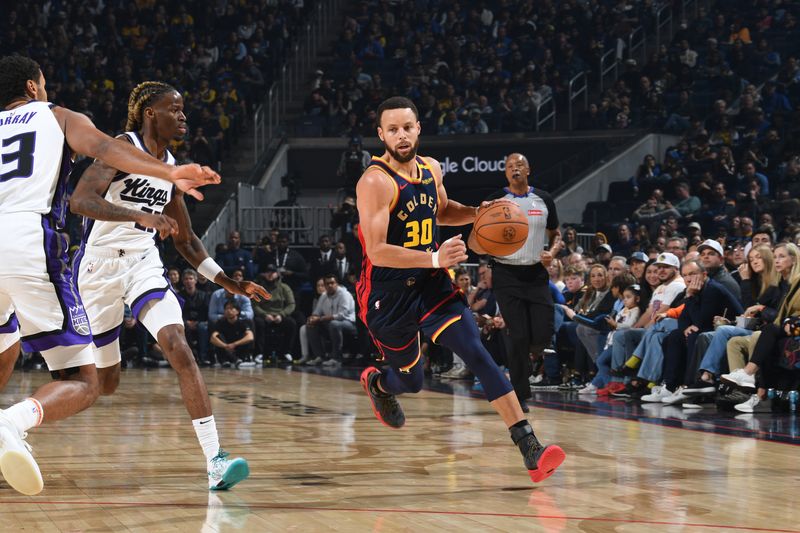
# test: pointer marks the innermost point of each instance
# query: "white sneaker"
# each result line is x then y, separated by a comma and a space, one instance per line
247, 364
657, 394
17, 465
332, 363
288, 357
740, 378
753, 405
224, 473
676, 397
588, 389
314, 362
533, 380
259, 358
457, 372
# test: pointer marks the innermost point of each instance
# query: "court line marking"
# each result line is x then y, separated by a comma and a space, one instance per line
398, 511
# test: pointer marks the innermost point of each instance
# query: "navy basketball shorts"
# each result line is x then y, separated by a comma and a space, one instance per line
396, 311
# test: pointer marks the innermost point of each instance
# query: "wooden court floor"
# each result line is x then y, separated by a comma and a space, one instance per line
321, 462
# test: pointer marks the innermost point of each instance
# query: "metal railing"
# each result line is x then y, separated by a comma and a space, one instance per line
220, 227
577, 86
269, 116
304, 224
663, 20
637, 45
544, 112
608, 63
585, 241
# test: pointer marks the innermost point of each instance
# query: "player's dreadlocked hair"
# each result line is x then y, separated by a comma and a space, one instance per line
142, 96
15, 71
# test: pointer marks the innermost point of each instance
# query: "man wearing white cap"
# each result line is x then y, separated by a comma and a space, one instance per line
713, 259
625, 342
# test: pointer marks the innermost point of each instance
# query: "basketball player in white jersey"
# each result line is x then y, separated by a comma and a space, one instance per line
39, 300
120, 264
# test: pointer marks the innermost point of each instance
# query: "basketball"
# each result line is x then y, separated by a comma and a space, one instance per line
501, 229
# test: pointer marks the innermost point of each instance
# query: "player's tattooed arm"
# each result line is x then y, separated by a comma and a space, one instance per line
191, 248
88, 200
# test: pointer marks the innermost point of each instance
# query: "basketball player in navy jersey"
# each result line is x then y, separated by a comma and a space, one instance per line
39, 302
119, 264
405, 287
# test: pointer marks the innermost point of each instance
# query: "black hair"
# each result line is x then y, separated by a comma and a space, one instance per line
332, 276
141, 96
232, 303
15, 71
395, 102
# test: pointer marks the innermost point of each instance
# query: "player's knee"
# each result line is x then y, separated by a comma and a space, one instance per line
108, 379
177, 350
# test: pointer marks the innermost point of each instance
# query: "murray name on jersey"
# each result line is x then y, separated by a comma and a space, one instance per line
139, 190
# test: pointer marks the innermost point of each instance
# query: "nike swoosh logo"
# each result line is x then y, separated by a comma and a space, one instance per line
403, 186
205, 422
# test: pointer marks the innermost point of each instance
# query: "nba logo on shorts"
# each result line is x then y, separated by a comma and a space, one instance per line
80, 322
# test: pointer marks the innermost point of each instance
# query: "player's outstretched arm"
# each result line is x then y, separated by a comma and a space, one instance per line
191, 248
375, 195
84, 138
88, 200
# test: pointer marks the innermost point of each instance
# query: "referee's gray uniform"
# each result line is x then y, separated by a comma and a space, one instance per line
521, 286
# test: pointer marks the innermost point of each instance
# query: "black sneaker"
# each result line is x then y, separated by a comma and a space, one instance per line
385, 406
631, 391
699, 387
541, 461
547, 384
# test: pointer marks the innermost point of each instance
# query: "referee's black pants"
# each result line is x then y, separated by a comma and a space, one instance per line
523, 294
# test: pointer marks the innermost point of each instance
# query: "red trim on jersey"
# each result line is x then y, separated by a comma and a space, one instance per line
437, 306
365, 282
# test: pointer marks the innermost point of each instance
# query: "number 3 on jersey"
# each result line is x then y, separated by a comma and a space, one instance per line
23, 157
417, 234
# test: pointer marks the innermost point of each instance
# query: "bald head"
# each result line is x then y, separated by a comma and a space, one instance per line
517, 170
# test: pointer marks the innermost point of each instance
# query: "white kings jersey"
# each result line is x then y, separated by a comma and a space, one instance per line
134, 191
34, 162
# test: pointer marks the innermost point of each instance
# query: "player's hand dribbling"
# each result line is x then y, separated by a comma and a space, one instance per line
164, 225
188, 177
452, 252
489, 203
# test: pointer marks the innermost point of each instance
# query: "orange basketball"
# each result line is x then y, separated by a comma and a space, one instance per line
501, 229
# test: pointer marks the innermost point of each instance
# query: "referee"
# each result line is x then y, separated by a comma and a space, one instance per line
521, 280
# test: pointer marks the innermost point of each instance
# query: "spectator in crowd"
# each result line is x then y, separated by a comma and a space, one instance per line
305, 349
333, 316
195, 316
322, 261
235, 257
232, 337
216, 305
353, 163
174, 276
275, 329
289, 263
712, 258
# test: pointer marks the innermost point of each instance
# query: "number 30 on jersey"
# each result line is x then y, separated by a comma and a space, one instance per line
418, 234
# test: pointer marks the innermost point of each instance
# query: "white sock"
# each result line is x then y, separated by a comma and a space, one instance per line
206, 430
25, 414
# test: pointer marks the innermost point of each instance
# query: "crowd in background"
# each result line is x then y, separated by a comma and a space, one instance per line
222, 56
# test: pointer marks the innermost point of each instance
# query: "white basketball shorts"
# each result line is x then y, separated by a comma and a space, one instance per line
109, 279
39, 298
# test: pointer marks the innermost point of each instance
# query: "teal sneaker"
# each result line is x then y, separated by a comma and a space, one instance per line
224, 473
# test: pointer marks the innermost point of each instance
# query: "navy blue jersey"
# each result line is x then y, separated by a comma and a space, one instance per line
412, 220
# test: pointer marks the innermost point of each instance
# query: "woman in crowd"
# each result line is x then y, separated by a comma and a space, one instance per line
766, 350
